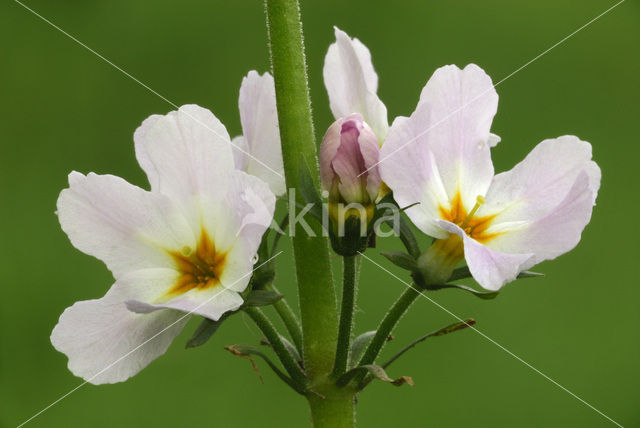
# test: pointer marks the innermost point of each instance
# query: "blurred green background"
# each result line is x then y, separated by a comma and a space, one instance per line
63, 108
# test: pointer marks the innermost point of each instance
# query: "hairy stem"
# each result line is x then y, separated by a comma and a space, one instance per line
289, 319
279, 348
385, 328
313, 270
346, 315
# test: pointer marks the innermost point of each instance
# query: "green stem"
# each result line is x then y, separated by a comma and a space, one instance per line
289, 319
315, 283
387, 325
333, 408
279, 348
346, 316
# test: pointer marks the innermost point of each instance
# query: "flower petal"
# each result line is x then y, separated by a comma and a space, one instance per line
184, 152
352, 83
106, 343
541, 181
239, 216
411, 171
463, 104
240, 157
259, 117
491, 269
150, 290
123, 225
558, 231
211, 303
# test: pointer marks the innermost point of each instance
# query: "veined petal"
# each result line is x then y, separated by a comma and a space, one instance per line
490, 268
107, 343
184, 152
352, 83
412, 172
123, 225
463, 104
558, 231
536, 186
259, 117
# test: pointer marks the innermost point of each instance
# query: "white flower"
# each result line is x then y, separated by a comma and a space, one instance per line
352, 83
260, 152
184, 246
503, 224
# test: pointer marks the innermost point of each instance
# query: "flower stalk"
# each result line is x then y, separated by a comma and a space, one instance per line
278, 346
289, 318
349, 289
386, 326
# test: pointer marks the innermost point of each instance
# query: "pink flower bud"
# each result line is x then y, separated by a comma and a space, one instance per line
348, 161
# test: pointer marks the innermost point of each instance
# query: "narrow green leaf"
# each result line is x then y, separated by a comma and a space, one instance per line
376, 372
262, 298
358, 345
401, 259
463, 272
308, 190
203, 332
246, 351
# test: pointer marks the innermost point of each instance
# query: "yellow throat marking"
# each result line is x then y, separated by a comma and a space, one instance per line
475, 227
200, 269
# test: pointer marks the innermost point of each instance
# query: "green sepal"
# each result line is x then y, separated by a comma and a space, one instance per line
464, 272
204, 331
358, 345
376, 372
407, 236
261, 298
487, 295
246, 351
402, 259
378, 213
352, 243
309, 191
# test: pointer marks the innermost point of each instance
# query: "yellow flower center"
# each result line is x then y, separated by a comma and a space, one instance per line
199, 269
475, 227
441, 258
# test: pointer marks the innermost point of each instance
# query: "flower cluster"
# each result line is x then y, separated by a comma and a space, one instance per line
438, 163
189, 245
